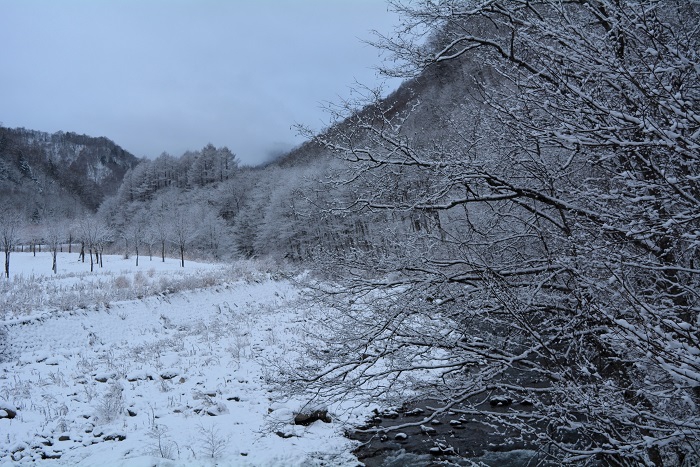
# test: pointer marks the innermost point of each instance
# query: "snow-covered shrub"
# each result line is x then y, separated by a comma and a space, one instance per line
253, 270
212, 442
23, 295
140, 280
122, 282
164, 284
111, 406
162, 445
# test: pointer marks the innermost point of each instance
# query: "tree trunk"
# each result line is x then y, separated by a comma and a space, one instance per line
53, 267
7, 263
91, 263
163, 250
182, 256
137, 255
82, 251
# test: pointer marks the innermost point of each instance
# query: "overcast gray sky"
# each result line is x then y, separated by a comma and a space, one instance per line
172, 75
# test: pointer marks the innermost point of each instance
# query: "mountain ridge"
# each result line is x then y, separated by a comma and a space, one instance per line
37, 169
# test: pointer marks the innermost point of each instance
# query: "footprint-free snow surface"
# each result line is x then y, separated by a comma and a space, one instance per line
176, 377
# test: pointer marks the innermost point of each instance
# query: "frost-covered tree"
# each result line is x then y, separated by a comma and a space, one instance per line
94, 235
213, 235
226, 164
10, 228
211, 165
33, 233
233, 193
55, 233
544, 246
249, 217
183, 229
134, 233
278, 218
158, 221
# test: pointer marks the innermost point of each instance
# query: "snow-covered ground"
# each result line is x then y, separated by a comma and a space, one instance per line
91, 374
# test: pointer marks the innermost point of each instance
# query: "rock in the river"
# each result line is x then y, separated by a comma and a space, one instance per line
500, 401
169, 373
307, 419
442, 449
7, 411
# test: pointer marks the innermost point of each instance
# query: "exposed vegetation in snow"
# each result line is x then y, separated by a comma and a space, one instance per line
180, 376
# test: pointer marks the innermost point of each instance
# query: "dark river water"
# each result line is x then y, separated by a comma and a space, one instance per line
455, 438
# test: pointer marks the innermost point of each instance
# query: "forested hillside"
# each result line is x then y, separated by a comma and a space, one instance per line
175, 205
61, 173
288, 209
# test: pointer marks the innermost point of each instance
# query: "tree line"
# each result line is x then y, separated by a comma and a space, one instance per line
150, 213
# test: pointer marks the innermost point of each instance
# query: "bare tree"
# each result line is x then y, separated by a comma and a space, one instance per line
183, 229
33, 233
70, 233
94, 235
135, 233
10, 226
212, 234
149, 239
55, 235
159, 222
545, 246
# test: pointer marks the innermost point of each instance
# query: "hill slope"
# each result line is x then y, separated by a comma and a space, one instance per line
55, 173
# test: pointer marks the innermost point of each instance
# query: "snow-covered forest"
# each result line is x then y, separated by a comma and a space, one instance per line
509, 242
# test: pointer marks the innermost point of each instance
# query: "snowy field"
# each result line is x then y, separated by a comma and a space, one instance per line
155, 365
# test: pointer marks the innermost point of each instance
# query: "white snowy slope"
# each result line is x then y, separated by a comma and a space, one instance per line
174, 378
